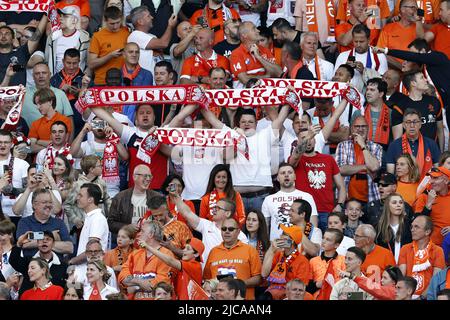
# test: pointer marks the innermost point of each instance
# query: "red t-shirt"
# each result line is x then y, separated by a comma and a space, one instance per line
51, 293
315, 176
190, 270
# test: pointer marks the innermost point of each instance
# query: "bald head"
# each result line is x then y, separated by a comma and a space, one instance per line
183, 29
204, 40
142, 169
368, 231
248, 32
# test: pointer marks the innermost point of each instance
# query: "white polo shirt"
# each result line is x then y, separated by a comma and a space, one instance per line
95, 226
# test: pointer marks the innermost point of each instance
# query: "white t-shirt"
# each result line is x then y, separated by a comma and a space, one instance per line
123, 119
28, 209
95, 226
20, 173
345, 244
64, 43
256, 171
362, 57
212, 237
197, 165
139, 203
276, 207
146, 57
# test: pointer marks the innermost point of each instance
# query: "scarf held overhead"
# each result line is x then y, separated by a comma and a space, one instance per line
47, 6
14, 95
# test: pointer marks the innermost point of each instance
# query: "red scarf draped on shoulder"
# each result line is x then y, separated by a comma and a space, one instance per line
383, 125
424, 161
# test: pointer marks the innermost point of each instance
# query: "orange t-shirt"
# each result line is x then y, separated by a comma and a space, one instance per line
102, 43
215, 21
319, 267
343, 12
177, 233
196, 66
436, 258
190, 270
441, 38
376, 261
240, 210
241, 260
242, 60
343, 28
439, 214
41, 128
298, 269
396, 36
85, 9
116, 257
431, 11
408, 192
151, 268
174, 212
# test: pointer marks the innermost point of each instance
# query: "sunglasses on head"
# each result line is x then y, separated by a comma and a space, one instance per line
230, 229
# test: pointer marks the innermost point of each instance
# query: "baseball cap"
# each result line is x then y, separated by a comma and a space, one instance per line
295, 232
198, 246
438, 172
386, 178
70, 11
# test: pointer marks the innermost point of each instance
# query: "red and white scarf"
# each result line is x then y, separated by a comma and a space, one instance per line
47, 6
16, 94
191, 137
51, 153
110, 163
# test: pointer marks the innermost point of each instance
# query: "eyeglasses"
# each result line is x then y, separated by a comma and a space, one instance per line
94, 251
410, 7
223, 209
413, 123
359, 237
384, 185
145, 176
230, 229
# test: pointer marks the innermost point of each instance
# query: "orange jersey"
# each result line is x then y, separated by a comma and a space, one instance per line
242, 60
116, 257
431, 8
215, 20
40, 129
190, 270
377, 260
408, 192
196, 65
343, 12
151, 268
241, 260
240, 210
345, 27
439, 214
85, 9
319, 267
104, 42
436, 258
177, 233
441, 38
396, 36
298, 269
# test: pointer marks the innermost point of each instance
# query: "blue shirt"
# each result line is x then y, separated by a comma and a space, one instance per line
31, 224
395, 149
144, 78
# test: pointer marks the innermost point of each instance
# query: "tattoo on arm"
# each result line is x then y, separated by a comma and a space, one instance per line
36, 35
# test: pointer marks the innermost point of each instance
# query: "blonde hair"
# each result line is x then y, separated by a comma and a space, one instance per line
413, 169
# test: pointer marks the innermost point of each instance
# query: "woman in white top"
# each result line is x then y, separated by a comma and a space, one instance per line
7, 229
97, 276
394, 229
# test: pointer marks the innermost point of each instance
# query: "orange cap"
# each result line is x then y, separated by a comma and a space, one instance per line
438, 172
295, 232
198, 246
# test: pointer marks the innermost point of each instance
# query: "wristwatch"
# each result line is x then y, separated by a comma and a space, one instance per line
341, 205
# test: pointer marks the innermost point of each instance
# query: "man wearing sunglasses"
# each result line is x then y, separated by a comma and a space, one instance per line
234, 258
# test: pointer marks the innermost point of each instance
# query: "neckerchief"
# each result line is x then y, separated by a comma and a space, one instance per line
383, 125
279, 272
95, 294
67, 79
110, 162
424, 162
131, 75
294, 70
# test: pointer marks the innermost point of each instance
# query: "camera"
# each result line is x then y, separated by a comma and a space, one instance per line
351, 59
5, 169
39, 168
18, 68
98, 124
315, 121
39, 235
421, 13
27, 149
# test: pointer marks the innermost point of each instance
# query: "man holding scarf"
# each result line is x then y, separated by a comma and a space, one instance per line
283, 262
359, 159
423, 149
59, 137
422, 258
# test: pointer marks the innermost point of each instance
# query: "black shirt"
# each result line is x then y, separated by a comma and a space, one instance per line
430, 109
22, 54
224, 48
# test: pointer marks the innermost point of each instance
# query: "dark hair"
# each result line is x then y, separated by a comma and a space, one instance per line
409, 77
217, 69
165, 64
265, 32
262, 234
242, 112
112, 13
410, 283
285, 164
444, 292
78, 287
72, 52
349, 69
232, 284
4, 132
59, 123
338, 235
229, 190
242, 287
157, 202
281, 24
361, 28
359, 253
7, 227
340, 215
168, 180
250, 84
381, 85
394, 273
8, 28
93, 191
419, 44
410, 111
293, 49
305, 207
353, 200
45, 95
66, 173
